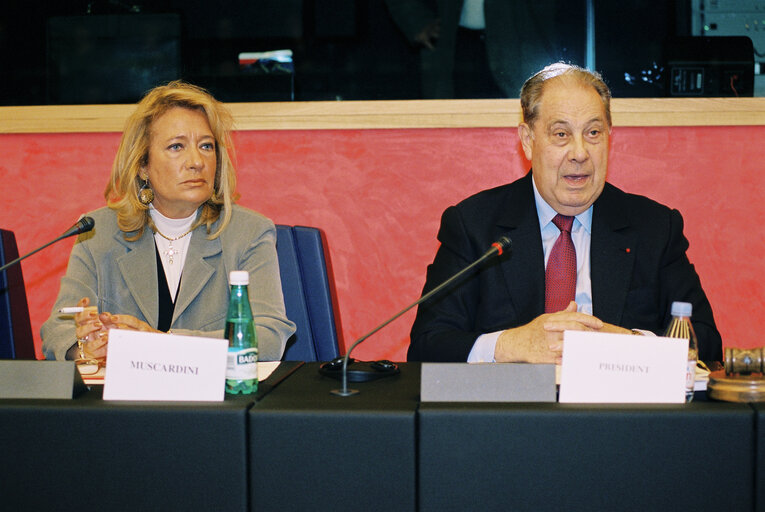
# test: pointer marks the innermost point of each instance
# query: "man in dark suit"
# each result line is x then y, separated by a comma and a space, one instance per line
630, 252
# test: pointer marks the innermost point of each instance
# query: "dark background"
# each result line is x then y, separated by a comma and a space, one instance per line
342, 49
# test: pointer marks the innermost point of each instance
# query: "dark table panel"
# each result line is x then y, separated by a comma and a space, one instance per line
90, 454
311, 450
573, 457
759, 471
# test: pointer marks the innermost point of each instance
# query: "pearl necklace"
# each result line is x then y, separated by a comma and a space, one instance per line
171, 251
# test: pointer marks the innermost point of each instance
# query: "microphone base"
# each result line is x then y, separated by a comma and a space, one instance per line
345, 392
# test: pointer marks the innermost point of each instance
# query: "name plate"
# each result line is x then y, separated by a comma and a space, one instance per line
155, 366
487, 382
622, 368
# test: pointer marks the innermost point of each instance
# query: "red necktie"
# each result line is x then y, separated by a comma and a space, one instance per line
560, 276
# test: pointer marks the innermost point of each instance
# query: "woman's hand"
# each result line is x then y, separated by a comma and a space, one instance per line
91, 332
127, 322
92, 329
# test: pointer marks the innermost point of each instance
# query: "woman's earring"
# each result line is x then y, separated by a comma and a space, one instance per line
145, 193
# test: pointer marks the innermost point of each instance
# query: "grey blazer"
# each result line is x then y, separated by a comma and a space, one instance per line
121, 278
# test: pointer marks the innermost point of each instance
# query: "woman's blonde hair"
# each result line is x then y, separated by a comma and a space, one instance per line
122, 190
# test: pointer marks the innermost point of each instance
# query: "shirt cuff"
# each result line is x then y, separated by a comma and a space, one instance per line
483, 348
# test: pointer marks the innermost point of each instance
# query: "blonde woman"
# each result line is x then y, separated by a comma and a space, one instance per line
159, 256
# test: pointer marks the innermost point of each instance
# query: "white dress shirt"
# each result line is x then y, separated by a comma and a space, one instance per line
581, 234
472, 15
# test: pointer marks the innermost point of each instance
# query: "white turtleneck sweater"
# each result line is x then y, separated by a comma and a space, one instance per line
172, 228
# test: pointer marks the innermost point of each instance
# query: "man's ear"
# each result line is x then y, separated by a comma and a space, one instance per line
527, 139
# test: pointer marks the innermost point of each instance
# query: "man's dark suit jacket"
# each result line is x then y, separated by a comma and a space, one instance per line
638, 268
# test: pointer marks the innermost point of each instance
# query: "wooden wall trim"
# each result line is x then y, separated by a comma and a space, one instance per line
392, 114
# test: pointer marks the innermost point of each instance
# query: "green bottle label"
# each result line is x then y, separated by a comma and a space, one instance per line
242, 363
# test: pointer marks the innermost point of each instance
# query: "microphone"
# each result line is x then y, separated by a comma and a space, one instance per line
83, 225
496, 249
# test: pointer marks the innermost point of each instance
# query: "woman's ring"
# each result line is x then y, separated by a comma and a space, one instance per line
81, 347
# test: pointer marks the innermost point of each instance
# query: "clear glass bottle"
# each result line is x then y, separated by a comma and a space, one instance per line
680, 327
242, 367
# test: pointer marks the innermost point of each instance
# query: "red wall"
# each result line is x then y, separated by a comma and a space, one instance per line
378, 195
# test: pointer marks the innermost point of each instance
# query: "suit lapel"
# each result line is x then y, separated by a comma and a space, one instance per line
524, 270
612, 257
139, 271
196, 271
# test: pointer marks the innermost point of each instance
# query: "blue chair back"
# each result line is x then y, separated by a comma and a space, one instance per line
16, 340
308, 296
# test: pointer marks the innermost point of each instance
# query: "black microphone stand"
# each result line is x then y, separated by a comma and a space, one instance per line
497, 247
84, 225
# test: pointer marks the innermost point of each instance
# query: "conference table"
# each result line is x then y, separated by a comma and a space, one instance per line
296, 446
